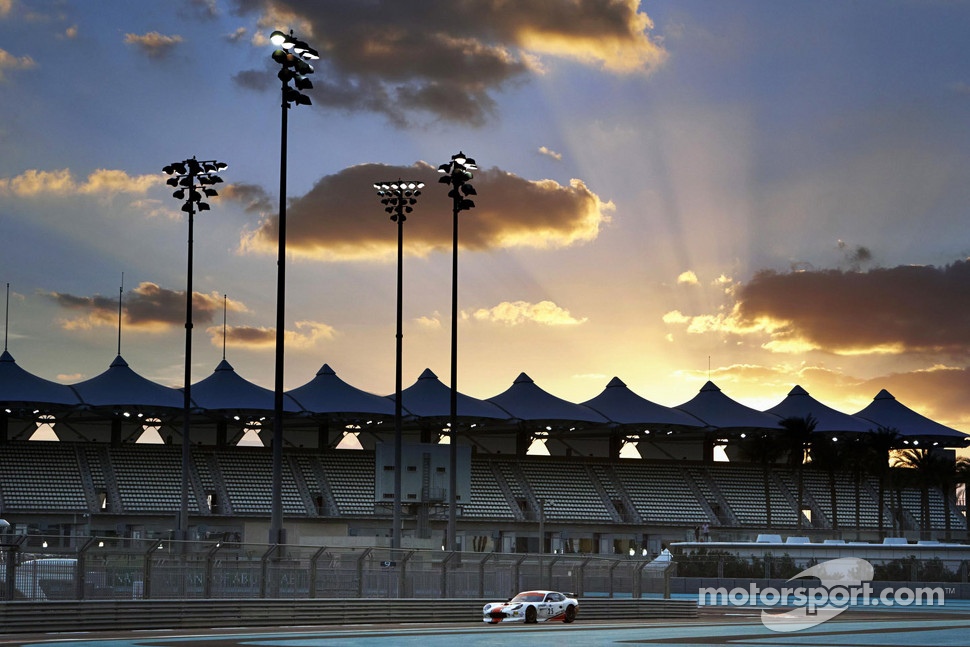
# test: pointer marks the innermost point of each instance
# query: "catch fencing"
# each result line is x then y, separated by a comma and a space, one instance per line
132, 569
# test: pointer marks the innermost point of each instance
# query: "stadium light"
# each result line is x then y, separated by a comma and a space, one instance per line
455, 174
193, 181
293, 55
398, 199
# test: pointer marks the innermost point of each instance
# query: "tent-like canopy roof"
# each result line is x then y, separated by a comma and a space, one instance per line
227, 391
429, 398
800, 404
887, 411
21, 388
718, 410
622, 406
525, 401
119, 386
327, 394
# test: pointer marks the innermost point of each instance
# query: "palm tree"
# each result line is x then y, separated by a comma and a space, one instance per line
947, 478
878, 443
764, 448
935, 469
924, 465
961, 474
798, 435
828, 454
856, 454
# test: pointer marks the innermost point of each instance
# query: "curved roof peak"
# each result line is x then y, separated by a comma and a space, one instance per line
616, 382
118, 361
326, 370
523, 379
797, 390
427, 374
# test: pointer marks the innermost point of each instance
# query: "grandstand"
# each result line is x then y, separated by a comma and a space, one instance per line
622, 473
591, 505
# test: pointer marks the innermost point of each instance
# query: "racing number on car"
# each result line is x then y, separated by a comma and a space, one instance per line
553, 605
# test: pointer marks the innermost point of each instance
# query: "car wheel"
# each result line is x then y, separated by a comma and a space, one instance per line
570, 614
530, 615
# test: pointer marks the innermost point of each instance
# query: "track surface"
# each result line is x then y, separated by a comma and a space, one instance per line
715, 627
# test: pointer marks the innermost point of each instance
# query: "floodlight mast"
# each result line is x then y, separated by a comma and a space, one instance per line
292, 55
456, 174
193, 180
398, 199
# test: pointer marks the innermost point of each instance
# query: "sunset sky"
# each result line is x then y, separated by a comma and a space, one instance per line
762, 194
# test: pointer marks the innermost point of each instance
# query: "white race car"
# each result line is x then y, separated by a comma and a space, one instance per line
533, 606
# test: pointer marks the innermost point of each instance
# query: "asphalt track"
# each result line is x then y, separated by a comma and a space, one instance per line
862, 628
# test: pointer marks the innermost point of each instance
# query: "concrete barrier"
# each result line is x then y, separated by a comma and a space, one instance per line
106, 615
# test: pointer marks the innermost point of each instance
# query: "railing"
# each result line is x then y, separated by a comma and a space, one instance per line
132, 569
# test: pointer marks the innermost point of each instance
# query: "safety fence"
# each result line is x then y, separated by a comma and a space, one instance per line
780, 565
131, 569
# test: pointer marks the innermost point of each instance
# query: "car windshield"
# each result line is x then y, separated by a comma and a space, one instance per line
531, 596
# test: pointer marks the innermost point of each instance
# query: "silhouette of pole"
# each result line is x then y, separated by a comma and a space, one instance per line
398, 199
193, 180
292, 55
456, 174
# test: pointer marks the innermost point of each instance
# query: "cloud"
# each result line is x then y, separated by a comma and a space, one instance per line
513, 313
102, 183
107, 181
255, 80
855, 257
905, 309
550, 153
244, 336
147, 308
448, 60
154, 208
253, 198
339, 219
204, 9
431, 323
597, 377
308, 334
610, 34
237, 35
10, 62
688, 278
153, 44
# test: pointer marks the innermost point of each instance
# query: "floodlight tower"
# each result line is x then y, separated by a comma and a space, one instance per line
193, 181
398, 199
456, 174
293, 55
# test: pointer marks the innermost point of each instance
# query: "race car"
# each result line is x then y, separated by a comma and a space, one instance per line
531, 607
